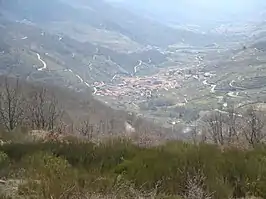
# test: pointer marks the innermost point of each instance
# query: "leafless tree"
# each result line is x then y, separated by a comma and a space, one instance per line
44, 110
194, 132
36, 109
86, 129
203, 134
216, 128
61, 127
223, 127
53, 112
11, 105
232, 123
254, 123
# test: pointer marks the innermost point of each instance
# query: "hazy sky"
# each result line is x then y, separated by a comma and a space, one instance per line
201, 10
226, 5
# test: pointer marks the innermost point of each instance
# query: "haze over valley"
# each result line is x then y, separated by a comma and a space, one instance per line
127, 99
171, 62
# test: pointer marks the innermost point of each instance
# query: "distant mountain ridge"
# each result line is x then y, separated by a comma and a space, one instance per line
102, 15
116, 50
205, 13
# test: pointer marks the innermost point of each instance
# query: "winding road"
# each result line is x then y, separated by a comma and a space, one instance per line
94, 90
205, 82
45, 67
136, 67
233, 94
79, 78
225, 112
230, 93
113, 78
235, 87
213, 86
43, 62
84, 82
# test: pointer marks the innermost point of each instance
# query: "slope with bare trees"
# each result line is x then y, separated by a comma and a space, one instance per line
48, 108
11, 105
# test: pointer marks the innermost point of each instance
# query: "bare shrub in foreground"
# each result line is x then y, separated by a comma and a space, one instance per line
195, 188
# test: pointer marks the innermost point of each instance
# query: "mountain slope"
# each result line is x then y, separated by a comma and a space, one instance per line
79, 107
132, 61
91, 62
102, 15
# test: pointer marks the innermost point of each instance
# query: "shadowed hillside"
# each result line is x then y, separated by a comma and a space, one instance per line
75, 111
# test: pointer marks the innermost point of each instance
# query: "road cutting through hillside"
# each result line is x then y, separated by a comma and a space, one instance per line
94, 90
230, 93
213, 86
82, 80
136, 67
227, 113
235, 87
233, 94
43, 62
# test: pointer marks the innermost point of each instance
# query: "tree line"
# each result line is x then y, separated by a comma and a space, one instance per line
39, 109
231, 127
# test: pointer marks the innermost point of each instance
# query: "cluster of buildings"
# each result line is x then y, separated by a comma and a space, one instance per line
140, 87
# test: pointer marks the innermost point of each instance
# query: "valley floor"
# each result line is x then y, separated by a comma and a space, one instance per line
207, 83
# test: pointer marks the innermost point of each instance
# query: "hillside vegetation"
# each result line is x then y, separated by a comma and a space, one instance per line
44, 154
119, 169
46, 107
70, 71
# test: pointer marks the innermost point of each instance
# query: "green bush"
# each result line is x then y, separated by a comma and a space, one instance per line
104, 156
51, 168
4, 160
48, 176
172, 165
230, 173
4, 164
